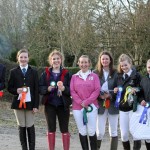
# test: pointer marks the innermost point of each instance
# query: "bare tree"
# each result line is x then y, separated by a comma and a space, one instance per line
12, 22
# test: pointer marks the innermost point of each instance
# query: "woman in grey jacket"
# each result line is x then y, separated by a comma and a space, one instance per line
107, 110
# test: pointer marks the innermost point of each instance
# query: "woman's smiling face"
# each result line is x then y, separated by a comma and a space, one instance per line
55, 61
105, 60
84, 64
125, 66
23, 59
148, 68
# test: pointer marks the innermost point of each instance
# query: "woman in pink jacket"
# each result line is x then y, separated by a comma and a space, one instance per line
85, 88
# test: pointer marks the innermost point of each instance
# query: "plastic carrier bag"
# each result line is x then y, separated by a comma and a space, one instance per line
140, 130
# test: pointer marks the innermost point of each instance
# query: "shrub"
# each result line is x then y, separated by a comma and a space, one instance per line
73, 70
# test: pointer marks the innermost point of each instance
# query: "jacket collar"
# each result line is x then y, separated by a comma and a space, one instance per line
20, 71
148, 75
82, 76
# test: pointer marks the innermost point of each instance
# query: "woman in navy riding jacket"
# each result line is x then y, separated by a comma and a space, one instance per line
127, 78
54, 85
23, 84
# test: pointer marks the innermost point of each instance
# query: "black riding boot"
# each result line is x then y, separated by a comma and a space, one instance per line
126, 145
99, 144
31, 137
147, 145
93, 142
137, 145
84, 142
23, 138
114, 143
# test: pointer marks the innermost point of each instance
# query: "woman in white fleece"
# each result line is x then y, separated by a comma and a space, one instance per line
85, 88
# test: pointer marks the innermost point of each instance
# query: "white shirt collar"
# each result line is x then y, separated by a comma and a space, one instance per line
83, 75
26, 67
105, 73
129, 73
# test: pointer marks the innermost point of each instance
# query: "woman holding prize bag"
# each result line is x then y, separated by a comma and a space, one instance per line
140, 120
85, 88
23, 84
128, 82
54, 85
108, 79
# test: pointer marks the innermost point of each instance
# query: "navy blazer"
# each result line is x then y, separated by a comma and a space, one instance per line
18, 80
134, 81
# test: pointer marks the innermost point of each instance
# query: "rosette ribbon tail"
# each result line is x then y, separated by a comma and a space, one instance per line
107, 103
85, 120
118, 97
59, 93
85, 111
23, 100
144, 117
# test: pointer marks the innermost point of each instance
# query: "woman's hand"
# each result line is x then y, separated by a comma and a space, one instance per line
116, 90
50, 88
83, 105
106, 95
133, 91
143, 103
35, 110
19, 90
102, 96
60, 85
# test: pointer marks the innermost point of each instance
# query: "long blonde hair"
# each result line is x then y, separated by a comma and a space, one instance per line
123, 57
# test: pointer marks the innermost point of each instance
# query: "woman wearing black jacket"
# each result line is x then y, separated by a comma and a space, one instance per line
145, 94
54, 85
127, 78
23, 81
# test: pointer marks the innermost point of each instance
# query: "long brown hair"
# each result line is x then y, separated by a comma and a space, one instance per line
99, 67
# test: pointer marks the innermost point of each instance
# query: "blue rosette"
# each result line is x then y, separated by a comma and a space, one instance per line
118, 97
53, 83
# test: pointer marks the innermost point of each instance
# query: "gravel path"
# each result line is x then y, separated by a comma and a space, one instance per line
9, 139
